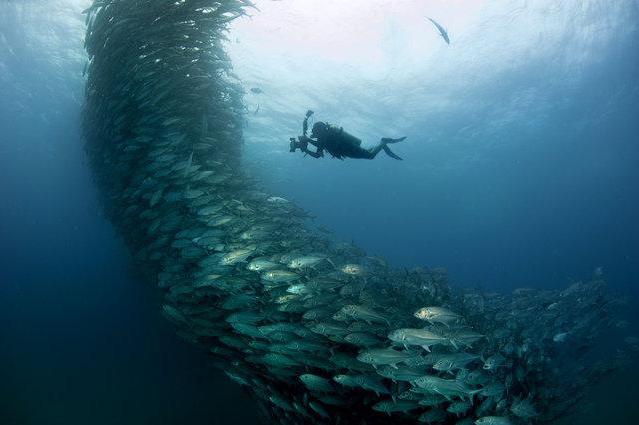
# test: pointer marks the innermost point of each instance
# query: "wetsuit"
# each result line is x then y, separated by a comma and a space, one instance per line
341, 144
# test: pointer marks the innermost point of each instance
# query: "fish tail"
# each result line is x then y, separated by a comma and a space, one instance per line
453, 343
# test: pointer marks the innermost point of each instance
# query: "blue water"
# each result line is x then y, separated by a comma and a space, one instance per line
520, 170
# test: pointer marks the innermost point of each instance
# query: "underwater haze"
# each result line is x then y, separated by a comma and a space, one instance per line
522, 138
519, 170
81, 338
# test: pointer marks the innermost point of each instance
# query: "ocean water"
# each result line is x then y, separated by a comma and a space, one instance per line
520, 170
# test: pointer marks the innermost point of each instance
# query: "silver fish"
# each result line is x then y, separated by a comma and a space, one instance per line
438, 315
385, 356
493, 420
421, 337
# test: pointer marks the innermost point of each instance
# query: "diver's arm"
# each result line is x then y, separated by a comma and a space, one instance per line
319, 153
305, 140
302, 144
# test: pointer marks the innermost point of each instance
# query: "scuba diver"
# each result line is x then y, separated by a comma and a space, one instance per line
337, 142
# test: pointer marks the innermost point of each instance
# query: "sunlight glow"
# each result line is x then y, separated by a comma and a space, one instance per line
372, 37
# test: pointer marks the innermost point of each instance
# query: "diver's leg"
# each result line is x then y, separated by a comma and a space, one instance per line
361, 153
372, 152
356, 152
383, 145
389, 140
390, 152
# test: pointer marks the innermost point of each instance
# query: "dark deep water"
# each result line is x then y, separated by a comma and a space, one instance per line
82, 340
81, 337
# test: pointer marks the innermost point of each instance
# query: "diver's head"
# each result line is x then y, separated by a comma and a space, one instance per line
319, 129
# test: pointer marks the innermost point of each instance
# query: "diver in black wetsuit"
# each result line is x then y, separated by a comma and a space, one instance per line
337, 142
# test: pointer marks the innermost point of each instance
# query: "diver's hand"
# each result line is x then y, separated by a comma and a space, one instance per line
301, 144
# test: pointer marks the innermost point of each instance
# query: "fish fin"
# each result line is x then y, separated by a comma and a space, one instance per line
454, 344
188, 164
426, 347
471, 396
446, 396
394, 366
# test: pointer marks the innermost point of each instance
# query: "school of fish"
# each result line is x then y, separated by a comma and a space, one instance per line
315, 330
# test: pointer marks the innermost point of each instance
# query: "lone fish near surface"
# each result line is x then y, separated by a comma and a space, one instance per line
442, 31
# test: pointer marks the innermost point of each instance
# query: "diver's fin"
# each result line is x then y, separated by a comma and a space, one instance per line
390, 153
389, 140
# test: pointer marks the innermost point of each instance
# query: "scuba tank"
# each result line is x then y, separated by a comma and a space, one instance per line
342, 137
335, 134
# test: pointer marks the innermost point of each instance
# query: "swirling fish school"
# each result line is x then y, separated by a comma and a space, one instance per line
317, 331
